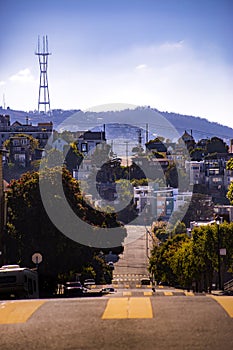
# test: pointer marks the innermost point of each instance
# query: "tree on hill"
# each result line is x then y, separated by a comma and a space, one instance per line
73, 157
216, 145
229, 166
197, 154
230, 193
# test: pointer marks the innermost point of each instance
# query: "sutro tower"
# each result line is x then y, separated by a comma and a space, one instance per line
42, 53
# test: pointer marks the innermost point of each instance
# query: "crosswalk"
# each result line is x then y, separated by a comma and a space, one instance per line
137, 307
121, 305
120, 278
156, 293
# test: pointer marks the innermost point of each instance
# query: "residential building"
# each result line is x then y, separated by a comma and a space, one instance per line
195, 170
224, 211
42, 131
89, 140
59, 144
20, 150
159, 202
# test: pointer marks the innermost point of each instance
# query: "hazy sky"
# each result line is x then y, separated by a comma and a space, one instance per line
174, 55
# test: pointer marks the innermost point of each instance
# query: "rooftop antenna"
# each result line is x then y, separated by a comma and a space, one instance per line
4, 101
43, 53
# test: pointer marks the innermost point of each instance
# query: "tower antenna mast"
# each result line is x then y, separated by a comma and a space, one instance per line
43, 53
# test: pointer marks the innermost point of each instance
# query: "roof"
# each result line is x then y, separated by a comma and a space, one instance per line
93, 135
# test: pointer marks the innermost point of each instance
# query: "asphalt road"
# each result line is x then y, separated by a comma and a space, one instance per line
132, 318
116, 321
134, 260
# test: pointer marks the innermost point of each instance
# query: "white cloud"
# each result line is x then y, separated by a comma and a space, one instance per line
172, 45
141, 66
2, 82
23, 75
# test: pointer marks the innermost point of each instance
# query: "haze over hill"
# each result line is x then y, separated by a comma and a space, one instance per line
166, 124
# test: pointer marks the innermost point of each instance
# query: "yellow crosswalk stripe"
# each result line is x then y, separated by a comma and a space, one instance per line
18, 311
128, 308
168, 293
148, 293
127, 294
226, 302
189, 294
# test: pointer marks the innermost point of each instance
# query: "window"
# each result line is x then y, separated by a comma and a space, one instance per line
84, 147
216, 179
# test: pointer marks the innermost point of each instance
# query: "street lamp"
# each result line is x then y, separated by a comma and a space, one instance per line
219, 257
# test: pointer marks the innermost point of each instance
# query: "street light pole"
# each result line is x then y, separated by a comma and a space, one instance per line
219, 260
3, 152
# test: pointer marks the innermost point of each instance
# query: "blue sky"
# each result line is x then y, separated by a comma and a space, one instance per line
174, 55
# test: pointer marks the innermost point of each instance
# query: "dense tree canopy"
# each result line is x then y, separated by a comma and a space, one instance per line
30, 229
192, 261
229, 166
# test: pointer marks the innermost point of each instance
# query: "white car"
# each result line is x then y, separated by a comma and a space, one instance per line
89, 282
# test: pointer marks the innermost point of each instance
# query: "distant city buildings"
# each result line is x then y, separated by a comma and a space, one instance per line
204, 163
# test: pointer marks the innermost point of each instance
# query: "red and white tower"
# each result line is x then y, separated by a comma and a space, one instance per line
43, 53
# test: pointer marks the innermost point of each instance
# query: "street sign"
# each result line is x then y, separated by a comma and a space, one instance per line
37, 258
223, 251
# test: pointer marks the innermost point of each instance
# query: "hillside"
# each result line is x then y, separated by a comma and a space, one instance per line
168, 125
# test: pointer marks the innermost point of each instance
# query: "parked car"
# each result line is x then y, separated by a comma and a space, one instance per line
89, 282
145, 281
108, 290
111, 265
72, 289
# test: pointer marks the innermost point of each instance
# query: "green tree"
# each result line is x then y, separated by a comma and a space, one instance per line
230, 193
216, 145
30, 229
161, 260
179, 228
160, 231
194, 261
73, 157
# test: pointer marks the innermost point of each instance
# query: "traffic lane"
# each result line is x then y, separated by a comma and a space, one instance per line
192, 322
182, 322
57, 324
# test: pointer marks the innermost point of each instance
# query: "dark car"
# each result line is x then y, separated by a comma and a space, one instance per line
73, 289
145, 281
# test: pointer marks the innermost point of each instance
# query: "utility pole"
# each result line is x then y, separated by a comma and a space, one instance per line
2, 210
127, 158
